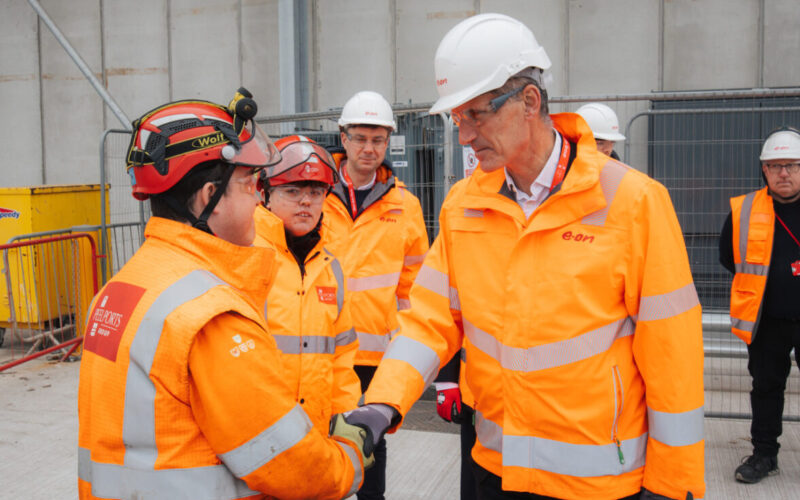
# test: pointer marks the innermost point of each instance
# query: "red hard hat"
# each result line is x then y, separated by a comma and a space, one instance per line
170, 140
301, 160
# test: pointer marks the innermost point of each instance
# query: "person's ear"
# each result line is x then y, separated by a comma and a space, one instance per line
201, 198
532, 99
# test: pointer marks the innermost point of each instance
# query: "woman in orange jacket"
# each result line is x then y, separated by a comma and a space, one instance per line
306, 311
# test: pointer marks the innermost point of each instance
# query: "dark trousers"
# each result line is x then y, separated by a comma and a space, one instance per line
490, 488
374, 484
468, 486
769, 364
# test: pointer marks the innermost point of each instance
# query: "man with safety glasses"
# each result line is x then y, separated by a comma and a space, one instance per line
181, 390
564, 276
380, 227
760, 244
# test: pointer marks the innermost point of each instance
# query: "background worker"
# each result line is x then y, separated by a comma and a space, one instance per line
760, 244
306, 311
381, 230
605, 126
168, 403
565, 277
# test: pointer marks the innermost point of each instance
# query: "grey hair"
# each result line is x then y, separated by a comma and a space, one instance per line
528, 76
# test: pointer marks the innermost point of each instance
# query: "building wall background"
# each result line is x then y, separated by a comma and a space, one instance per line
152, 51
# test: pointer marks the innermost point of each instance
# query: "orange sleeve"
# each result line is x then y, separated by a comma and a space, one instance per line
250, 419
346, 385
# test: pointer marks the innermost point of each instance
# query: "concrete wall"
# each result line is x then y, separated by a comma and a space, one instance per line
152, 51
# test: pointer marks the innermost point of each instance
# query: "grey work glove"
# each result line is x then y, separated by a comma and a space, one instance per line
375, 418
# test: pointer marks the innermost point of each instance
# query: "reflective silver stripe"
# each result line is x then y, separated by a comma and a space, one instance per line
744, 224
669, 304
138, 427
488, 433
744, 325
118, 481
306, 344
472, 212
610, 177
336, 267
747, 268
372, 282
455, 300
403, 304
289, 430
372, 342
410, 260
549, 355
358, 471
676, 429
418, 355
577, 460
433, 280
266, 306
346, 337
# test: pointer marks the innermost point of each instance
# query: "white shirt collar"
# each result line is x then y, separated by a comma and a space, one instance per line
541, 186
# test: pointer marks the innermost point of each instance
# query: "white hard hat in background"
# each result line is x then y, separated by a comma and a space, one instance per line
479, 54
367, 108
602, 120
781, 145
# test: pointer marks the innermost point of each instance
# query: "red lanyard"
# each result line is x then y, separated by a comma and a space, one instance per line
561, 168
787, 230
351, 191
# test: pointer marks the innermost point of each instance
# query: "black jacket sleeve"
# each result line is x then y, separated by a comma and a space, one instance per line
450, 371
726, 245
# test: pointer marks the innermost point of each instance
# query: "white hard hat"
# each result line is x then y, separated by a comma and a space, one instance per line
602, 120
479, 54
781, 145
367, 108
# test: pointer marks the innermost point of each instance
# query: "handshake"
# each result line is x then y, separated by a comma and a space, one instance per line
363, 428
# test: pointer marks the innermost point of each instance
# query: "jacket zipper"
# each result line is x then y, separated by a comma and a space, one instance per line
619, 401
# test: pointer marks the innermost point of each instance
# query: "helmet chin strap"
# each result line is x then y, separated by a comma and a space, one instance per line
201, 222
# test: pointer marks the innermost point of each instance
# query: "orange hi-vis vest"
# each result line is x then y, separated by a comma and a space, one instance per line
381, 252
582, 330
753, 217
181, 389
310, 321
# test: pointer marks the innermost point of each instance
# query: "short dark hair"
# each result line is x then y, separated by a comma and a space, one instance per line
185, 190
516, 82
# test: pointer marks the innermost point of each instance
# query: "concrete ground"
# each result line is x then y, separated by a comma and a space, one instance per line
38, 444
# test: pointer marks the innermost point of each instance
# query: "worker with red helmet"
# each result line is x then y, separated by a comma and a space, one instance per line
306, 311
169, 404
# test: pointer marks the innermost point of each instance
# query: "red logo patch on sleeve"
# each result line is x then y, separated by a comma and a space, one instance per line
327, 294
109, 317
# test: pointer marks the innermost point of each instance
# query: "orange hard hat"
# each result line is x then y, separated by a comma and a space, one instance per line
172, 139
302, 159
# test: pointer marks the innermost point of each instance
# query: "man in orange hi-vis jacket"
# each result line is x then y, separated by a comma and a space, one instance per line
380, 232
564, 275
181, 390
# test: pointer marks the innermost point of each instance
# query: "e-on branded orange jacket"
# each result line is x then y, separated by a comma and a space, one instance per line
168, 403
753, 218
310, 321
381, 252
582, 331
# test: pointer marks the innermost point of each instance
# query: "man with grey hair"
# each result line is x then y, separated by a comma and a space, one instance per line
564, 275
